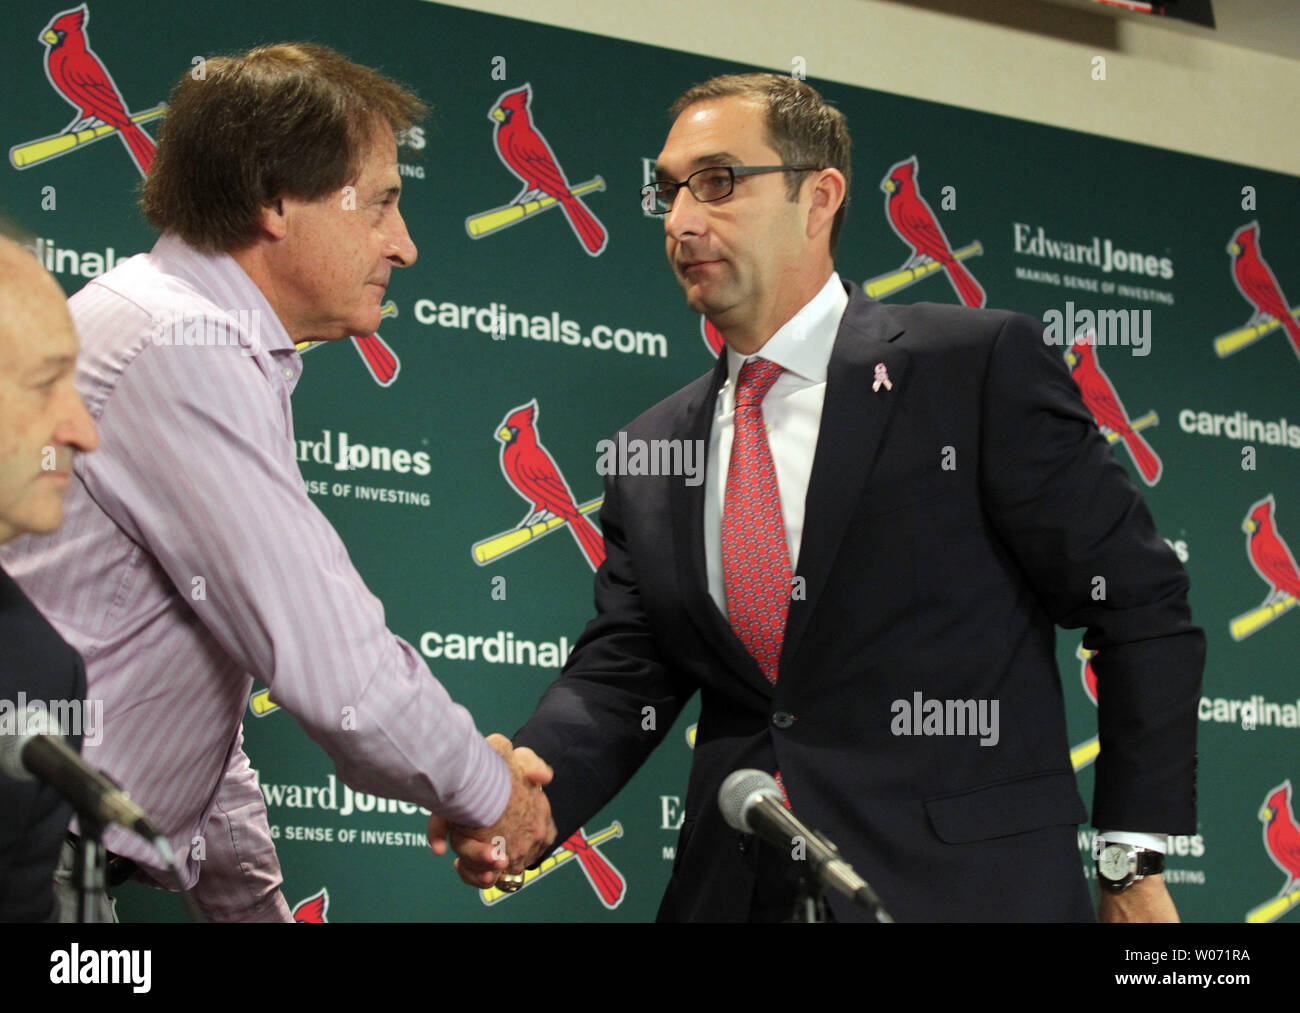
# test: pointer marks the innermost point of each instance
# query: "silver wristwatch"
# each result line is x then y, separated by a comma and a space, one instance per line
1119, 866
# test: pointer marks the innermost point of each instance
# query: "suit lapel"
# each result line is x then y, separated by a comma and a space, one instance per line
853, 419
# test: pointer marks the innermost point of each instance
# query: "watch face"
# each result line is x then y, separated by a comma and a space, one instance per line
1114, 863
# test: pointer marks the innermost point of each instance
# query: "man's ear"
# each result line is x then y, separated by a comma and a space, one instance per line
273, 220
827, 194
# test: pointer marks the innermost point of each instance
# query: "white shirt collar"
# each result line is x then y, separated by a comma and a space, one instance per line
803, 344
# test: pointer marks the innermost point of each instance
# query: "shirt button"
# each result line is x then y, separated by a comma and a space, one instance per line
743, 845
783, 719
288, 374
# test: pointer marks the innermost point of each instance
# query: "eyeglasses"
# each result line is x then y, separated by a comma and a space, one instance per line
713, 183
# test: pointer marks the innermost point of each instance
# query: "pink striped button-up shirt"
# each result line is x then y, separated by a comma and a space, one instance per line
192, 559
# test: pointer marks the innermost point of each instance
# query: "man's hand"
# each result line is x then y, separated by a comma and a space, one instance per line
1147, 900
518, 839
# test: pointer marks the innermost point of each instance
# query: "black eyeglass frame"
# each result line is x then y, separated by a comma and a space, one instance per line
650, 192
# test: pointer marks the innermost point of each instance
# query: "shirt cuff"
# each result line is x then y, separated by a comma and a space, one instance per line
1152, 842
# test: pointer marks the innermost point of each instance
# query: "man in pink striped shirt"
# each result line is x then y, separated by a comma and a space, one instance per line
192, 558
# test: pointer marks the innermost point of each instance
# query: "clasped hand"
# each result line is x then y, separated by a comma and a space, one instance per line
516, 840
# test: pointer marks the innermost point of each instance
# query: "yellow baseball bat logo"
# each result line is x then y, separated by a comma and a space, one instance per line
882, 285
1257, 618
261, 704
1084, 753
487, 222
1149, 419
505, 542
389, 309
491, 895
1271, 911
29, 153
1235, 341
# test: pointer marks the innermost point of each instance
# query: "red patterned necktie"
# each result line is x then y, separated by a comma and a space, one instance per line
755, 558
756, 567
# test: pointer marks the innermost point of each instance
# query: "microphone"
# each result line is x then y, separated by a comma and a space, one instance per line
39, 750
750, 801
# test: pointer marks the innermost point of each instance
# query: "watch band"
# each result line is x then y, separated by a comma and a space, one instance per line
1149, 863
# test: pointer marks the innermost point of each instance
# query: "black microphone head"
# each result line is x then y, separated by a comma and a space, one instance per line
740, 791
31, 721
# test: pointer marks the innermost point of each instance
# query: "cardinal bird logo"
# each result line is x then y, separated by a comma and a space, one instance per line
1258, 286
916, 225
1087, 674
312, 910
1270, 555
607, 881
1273, 561
713, 338
1086, 752
524, 151
1282, 842
1107, 409
82, 79
533, 474
381, 361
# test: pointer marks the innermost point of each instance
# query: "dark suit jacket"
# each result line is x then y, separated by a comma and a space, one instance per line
35, 660
920, 577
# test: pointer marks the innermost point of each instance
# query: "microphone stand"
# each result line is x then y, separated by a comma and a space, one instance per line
809, 903
90, 869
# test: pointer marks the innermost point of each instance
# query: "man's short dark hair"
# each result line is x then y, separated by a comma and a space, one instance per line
801, 127
295, 119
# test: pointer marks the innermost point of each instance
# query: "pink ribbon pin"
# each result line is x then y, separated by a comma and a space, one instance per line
882, 377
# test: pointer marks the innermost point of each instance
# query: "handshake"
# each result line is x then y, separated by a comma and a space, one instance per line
518, 839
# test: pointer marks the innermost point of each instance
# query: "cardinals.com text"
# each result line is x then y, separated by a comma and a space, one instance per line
500, 322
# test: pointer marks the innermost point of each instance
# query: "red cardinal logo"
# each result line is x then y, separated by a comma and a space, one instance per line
532, 472
916, 225
81, 78
523, 149
1257, 285
312, 910
1086, 752
712, 336
381, 361
606, 880
1270, 555
1107, 409
1282, 835
1087, 673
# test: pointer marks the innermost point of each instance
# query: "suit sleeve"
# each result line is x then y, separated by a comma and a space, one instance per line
1089, 547
615, 700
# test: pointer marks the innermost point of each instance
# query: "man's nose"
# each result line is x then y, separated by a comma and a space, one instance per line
686, 216
77, 429
402, 251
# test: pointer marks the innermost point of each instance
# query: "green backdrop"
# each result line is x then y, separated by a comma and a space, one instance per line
596, 339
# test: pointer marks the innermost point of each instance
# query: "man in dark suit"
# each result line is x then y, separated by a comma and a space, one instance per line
42, 424
947, 499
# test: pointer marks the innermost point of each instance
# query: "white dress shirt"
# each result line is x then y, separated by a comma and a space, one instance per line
792, 413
